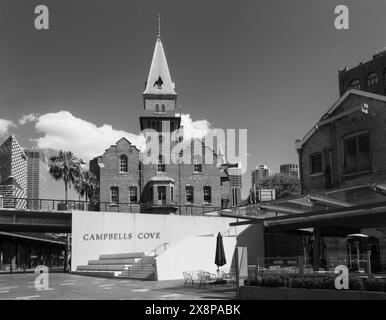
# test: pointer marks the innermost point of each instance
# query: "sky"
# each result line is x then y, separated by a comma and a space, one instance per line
267, 66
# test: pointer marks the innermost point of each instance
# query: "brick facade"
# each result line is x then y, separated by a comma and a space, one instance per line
329, 140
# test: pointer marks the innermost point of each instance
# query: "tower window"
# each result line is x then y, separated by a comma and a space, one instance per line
123, 165
114, 195
189, 194
161, 165
158, 83
207, 194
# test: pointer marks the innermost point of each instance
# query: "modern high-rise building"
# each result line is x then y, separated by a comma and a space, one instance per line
290, 169
37, 177
13, 174
261, 172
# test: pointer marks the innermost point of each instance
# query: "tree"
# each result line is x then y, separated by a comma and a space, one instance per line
86, 184
284, 185
65, 166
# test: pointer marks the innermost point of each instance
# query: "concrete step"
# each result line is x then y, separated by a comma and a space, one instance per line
121, 256
108, 267
114, 261
149, 277
102, 274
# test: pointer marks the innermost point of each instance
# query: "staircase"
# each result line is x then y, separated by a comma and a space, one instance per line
124, 265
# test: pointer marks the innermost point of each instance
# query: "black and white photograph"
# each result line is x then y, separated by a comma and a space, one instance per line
196, 153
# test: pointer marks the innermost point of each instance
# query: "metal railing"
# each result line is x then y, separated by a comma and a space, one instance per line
161, 246
82, 205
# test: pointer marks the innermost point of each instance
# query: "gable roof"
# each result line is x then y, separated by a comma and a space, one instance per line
299, 143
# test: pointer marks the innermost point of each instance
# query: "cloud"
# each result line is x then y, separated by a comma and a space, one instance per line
64, 131
28, 118
5, 125
194, 129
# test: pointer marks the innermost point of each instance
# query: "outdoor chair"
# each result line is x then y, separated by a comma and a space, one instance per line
230, 276
206, 278
188, 278
191, 277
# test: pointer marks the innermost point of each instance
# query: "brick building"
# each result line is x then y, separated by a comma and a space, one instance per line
369, 76
189, 184
347, 146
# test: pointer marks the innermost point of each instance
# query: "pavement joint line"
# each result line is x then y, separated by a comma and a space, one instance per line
27, 297
141, 290
7, 288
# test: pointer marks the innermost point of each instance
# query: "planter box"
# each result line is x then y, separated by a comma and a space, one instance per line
266, 293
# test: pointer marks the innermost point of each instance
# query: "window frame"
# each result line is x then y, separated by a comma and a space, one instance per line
161, 166
190, 188
126, 159
318, 173
112, 202
133, 188
355, 136
206, 188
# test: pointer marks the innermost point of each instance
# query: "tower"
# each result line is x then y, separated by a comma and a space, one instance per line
159, 97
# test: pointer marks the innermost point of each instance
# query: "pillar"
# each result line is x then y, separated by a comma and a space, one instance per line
316, 248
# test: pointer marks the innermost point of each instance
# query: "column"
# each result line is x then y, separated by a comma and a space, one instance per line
316, 248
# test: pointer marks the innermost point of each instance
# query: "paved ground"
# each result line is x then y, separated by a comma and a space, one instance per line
69, 286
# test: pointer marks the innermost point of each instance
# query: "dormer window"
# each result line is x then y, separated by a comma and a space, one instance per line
158, 83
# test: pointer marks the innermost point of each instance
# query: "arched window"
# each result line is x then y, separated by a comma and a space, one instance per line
163, 108
372, 79
123, 163
355, 84
157, 108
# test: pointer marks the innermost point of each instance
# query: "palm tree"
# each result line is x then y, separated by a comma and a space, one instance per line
86, 184
65, 166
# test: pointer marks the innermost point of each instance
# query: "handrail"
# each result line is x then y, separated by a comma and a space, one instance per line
160, 246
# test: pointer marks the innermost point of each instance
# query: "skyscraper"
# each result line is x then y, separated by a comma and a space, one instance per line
13, 174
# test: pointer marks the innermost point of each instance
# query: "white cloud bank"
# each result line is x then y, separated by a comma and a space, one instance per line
28, 118
5, 125
64, 131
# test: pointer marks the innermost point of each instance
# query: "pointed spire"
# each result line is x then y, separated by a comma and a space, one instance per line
159, 80
159, 25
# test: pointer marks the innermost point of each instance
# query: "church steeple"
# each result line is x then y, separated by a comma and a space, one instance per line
159, 81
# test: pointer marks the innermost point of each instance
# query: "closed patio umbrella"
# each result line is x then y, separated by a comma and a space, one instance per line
220, 259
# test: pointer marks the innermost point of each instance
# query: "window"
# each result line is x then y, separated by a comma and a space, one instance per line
133, 195
197, 167
357, 154
372, 79
157, 108
316, 163
114, 195
163, 108
189, 194
207, 194
123, 163
355, 84
171, 194
161, 165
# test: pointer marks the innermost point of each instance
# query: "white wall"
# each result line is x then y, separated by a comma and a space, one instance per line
170, 228
193, 253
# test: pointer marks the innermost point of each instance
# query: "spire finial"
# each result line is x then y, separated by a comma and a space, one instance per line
159, 25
